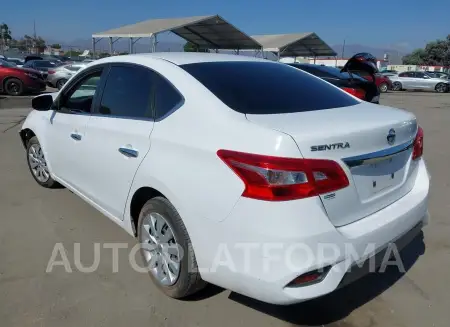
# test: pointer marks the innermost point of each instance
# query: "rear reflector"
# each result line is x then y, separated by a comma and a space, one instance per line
359, 93
280, 179
51, 71
418, 144
309, 278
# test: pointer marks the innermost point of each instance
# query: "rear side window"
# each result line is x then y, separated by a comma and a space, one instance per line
127, 92
266, 87
419, 75
166, 97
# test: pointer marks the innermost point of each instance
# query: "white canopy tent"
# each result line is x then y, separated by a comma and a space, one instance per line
206, 32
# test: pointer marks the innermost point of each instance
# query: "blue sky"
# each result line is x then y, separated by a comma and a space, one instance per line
395, 23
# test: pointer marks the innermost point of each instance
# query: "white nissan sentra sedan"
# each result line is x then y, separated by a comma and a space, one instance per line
234, 170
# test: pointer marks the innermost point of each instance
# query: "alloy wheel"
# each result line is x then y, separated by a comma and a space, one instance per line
441, 88
13, 88
396, 86
37, 162
383, 88
160, 249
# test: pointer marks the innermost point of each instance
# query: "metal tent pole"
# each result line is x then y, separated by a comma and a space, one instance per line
154, 42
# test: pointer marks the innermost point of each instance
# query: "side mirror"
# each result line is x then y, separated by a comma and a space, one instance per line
426, 77
42, 102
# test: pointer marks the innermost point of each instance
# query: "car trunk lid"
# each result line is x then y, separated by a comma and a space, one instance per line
372, 143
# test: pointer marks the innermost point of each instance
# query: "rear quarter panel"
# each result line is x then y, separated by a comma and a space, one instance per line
182, 162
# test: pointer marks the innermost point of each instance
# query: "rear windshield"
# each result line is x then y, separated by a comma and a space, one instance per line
45, 63
267, 87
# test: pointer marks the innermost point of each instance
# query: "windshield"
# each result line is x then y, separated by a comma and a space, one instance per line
4, 63
267, 88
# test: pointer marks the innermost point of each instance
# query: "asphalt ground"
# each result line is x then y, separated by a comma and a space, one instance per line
34, 219
23, 101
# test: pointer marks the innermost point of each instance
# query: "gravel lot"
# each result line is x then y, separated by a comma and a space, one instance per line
34, 219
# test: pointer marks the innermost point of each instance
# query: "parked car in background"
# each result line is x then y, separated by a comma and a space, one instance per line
62, 59
17, 81
17, 61
438, 74
41, 65
58, 76
353, 84
32, 57
418, 81
305, 164
388, 72
382, 81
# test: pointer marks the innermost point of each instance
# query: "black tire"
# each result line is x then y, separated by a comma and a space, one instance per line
60, 83
383, 87
441, 88
189, 280
397, 86
48, 183
13, 86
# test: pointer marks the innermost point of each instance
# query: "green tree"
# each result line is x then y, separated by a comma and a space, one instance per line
103, 55
56, 46
191, 47
5, 35
417, 57
436, 53
6, 32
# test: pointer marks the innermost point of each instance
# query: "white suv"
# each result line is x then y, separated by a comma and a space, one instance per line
233, 170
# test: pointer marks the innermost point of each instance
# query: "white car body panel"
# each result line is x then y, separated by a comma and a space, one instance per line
177, 157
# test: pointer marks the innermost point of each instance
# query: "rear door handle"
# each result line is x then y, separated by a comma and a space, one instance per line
76, 137
127, 152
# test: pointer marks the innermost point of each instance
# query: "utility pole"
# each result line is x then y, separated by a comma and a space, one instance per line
34, 36
343, 50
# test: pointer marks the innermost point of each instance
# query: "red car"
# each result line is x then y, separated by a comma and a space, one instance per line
17, 81
383, 82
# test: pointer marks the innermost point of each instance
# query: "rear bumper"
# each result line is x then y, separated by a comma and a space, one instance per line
261, 247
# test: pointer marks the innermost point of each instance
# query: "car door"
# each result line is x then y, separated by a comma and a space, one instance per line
119, 136
66, 136
422, 80
407, 80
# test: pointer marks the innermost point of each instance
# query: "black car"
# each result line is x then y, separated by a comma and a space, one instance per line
352, 83
41, 65
31, 57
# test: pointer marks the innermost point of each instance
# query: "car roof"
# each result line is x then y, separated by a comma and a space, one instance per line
180, 58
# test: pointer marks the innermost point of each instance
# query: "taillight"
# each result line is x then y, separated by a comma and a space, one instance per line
418, 144
51, 71
359, 93
280, 179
